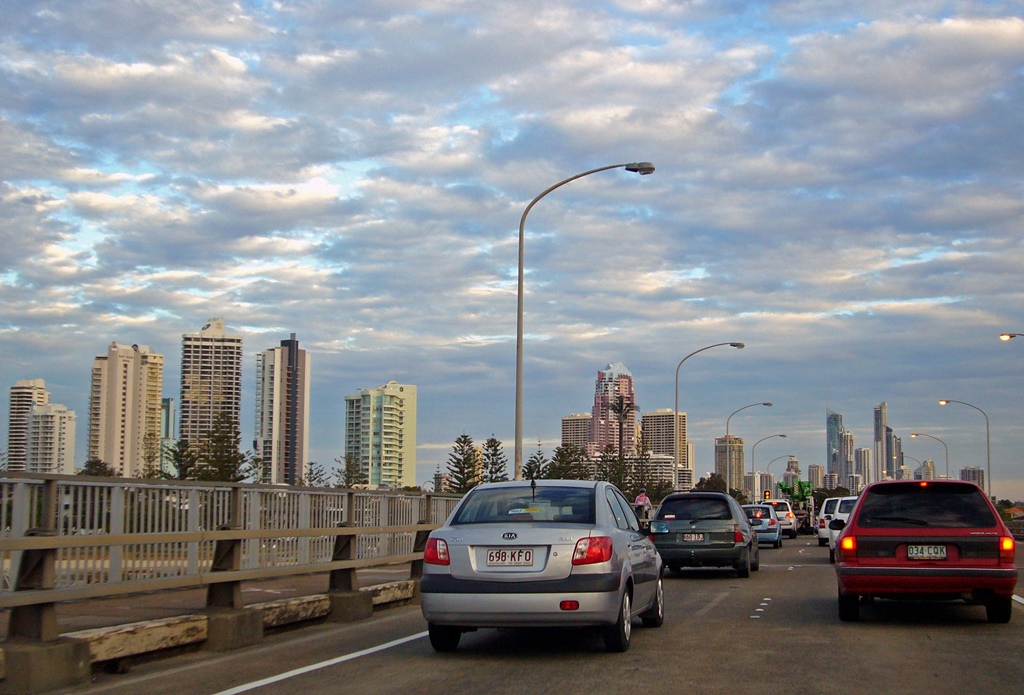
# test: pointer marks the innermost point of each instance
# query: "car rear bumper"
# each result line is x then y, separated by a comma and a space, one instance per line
703, 557
520, 610
881, 581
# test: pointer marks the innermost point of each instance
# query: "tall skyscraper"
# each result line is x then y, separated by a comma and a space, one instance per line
833, 435
380, 433
862, 463
614, 413
282, 412
211, 380
24, 394
974, 475
658, 434
125, 401
816, 474
729, 452
845, 464
576, 430
884, 464
50, 440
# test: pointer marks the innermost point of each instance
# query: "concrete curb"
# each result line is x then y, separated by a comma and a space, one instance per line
132, 639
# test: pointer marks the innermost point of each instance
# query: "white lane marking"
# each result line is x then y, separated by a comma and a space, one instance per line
323, 664
1018, 599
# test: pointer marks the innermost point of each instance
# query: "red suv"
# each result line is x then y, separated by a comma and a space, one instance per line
925, 539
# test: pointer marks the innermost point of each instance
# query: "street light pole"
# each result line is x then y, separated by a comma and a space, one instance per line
931, 436
754, 449
728, 446
988, 443
768, 468
675, 410
642, 168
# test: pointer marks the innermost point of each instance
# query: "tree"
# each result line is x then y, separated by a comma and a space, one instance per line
569, 462
150, 455
622, 411
462, 465
183, 459
535, 466
495, 462
640, 475
350, 473
712, 482
98, 468
220, 458
315, 476
613, 468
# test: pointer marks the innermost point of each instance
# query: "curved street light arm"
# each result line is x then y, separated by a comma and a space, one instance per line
931, 436
988, 443
728, 444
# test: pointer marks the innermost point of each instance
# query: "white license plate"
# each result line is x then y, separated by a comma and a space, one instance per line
926, 552
509, 557
693, 536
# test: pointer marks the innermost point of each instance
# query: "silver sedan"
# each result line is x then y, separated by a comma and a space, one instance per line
541, 553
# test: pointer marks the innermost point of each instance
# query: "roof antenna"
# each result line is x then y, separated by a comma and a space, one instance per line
533, 487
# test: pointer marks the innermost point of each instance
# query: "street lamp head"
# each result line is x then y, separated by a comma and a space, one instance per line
769, 405
944, 402
1007, 336
738, 346
642, 168
913, 434
783, 436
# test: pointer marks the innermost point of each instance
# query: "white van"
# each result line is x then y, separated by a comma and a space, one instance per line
843, 508
828, 508
787, 519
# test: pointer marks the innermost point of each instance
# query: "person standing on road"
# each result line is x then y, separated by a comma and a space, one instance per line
642, 505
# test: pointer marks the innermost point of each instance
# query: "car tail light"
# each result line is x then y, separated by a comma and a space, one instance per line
737, 535
789, 515
592, 550
1007, 547
821, 523
848, 546
569, 605
436, 552
771, 522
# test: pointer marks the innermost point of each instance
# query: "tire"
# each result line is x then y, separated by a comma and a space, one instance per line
832, 555
778, 543
743, 566
849, 607
444, 638
655, 615
792, 535
617, 636
998, 609
756, 565
822, 542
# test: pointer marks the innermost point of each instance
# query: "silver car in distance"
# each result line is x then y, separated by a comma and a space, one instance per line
541, 553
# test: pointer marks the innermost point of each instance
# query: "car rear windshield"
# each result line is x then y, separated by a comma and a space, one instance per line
521, 504
921, 505
846, 506
758, 512
784, 506
694, 509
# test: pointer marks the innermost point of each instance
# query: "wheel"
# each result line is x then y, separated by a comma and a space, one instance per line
655, 615
444, 638
822, 542
792, 535
778, 543
756, 565
832, 555
616, 637
743, 566
849, 607
998, 609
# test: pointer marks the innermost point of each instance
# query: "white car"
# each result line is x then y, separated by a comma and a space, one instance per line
787, 519
828, 508
844, 505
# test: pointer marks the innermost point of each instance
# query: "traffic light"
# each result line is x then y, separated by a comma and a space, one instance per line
767, 494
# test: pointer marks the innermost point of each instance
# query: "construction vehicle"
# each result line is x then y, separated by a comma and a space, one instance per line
800, 494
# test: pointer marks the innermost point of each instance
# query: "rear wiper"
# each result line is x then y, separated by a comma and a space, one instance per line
903, 519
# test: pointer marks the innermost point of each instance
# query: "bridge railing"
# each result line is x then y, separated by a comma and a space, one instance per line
74, 537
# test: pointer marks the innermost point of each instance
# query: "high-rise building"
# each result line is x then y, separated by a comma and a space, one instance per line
282, 412
167, 438
845, 463
576, 429
816, 474
380, 433
862, 463
658, 434
50, 440
211, 380
613, 419
926, 471
833, 434
884, 465
729, 460
24, 394
974, 475
125, 403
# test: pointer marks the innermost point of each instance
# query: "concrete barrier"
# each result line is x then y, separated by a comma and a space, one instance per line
109, 644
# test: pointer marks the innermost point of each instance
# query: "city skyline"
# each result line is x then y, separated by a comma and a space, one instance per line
837, 186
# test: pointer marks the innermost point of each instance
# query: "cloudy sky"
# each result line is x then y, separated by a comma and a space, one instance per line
839, 185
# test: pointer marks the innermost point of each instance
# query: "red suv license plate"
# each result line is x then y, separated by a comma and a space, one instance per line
926, 552
509, 557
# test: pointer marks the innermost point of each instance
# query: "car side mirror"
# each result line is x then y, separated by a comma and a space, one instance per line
837, 524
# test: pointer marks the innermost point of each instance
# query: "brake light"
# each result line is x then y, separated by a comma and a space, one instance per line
436, 552
821, 523
1007, 547
771, 522
592, 550
848, 546
737, 535
789, 515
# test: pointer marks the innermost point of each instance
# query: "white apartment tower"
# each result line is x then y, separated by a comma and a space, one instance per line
658, 434
576, 429
24, 394
124, 408
282, 412
380, 433
211, 380
50, 440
